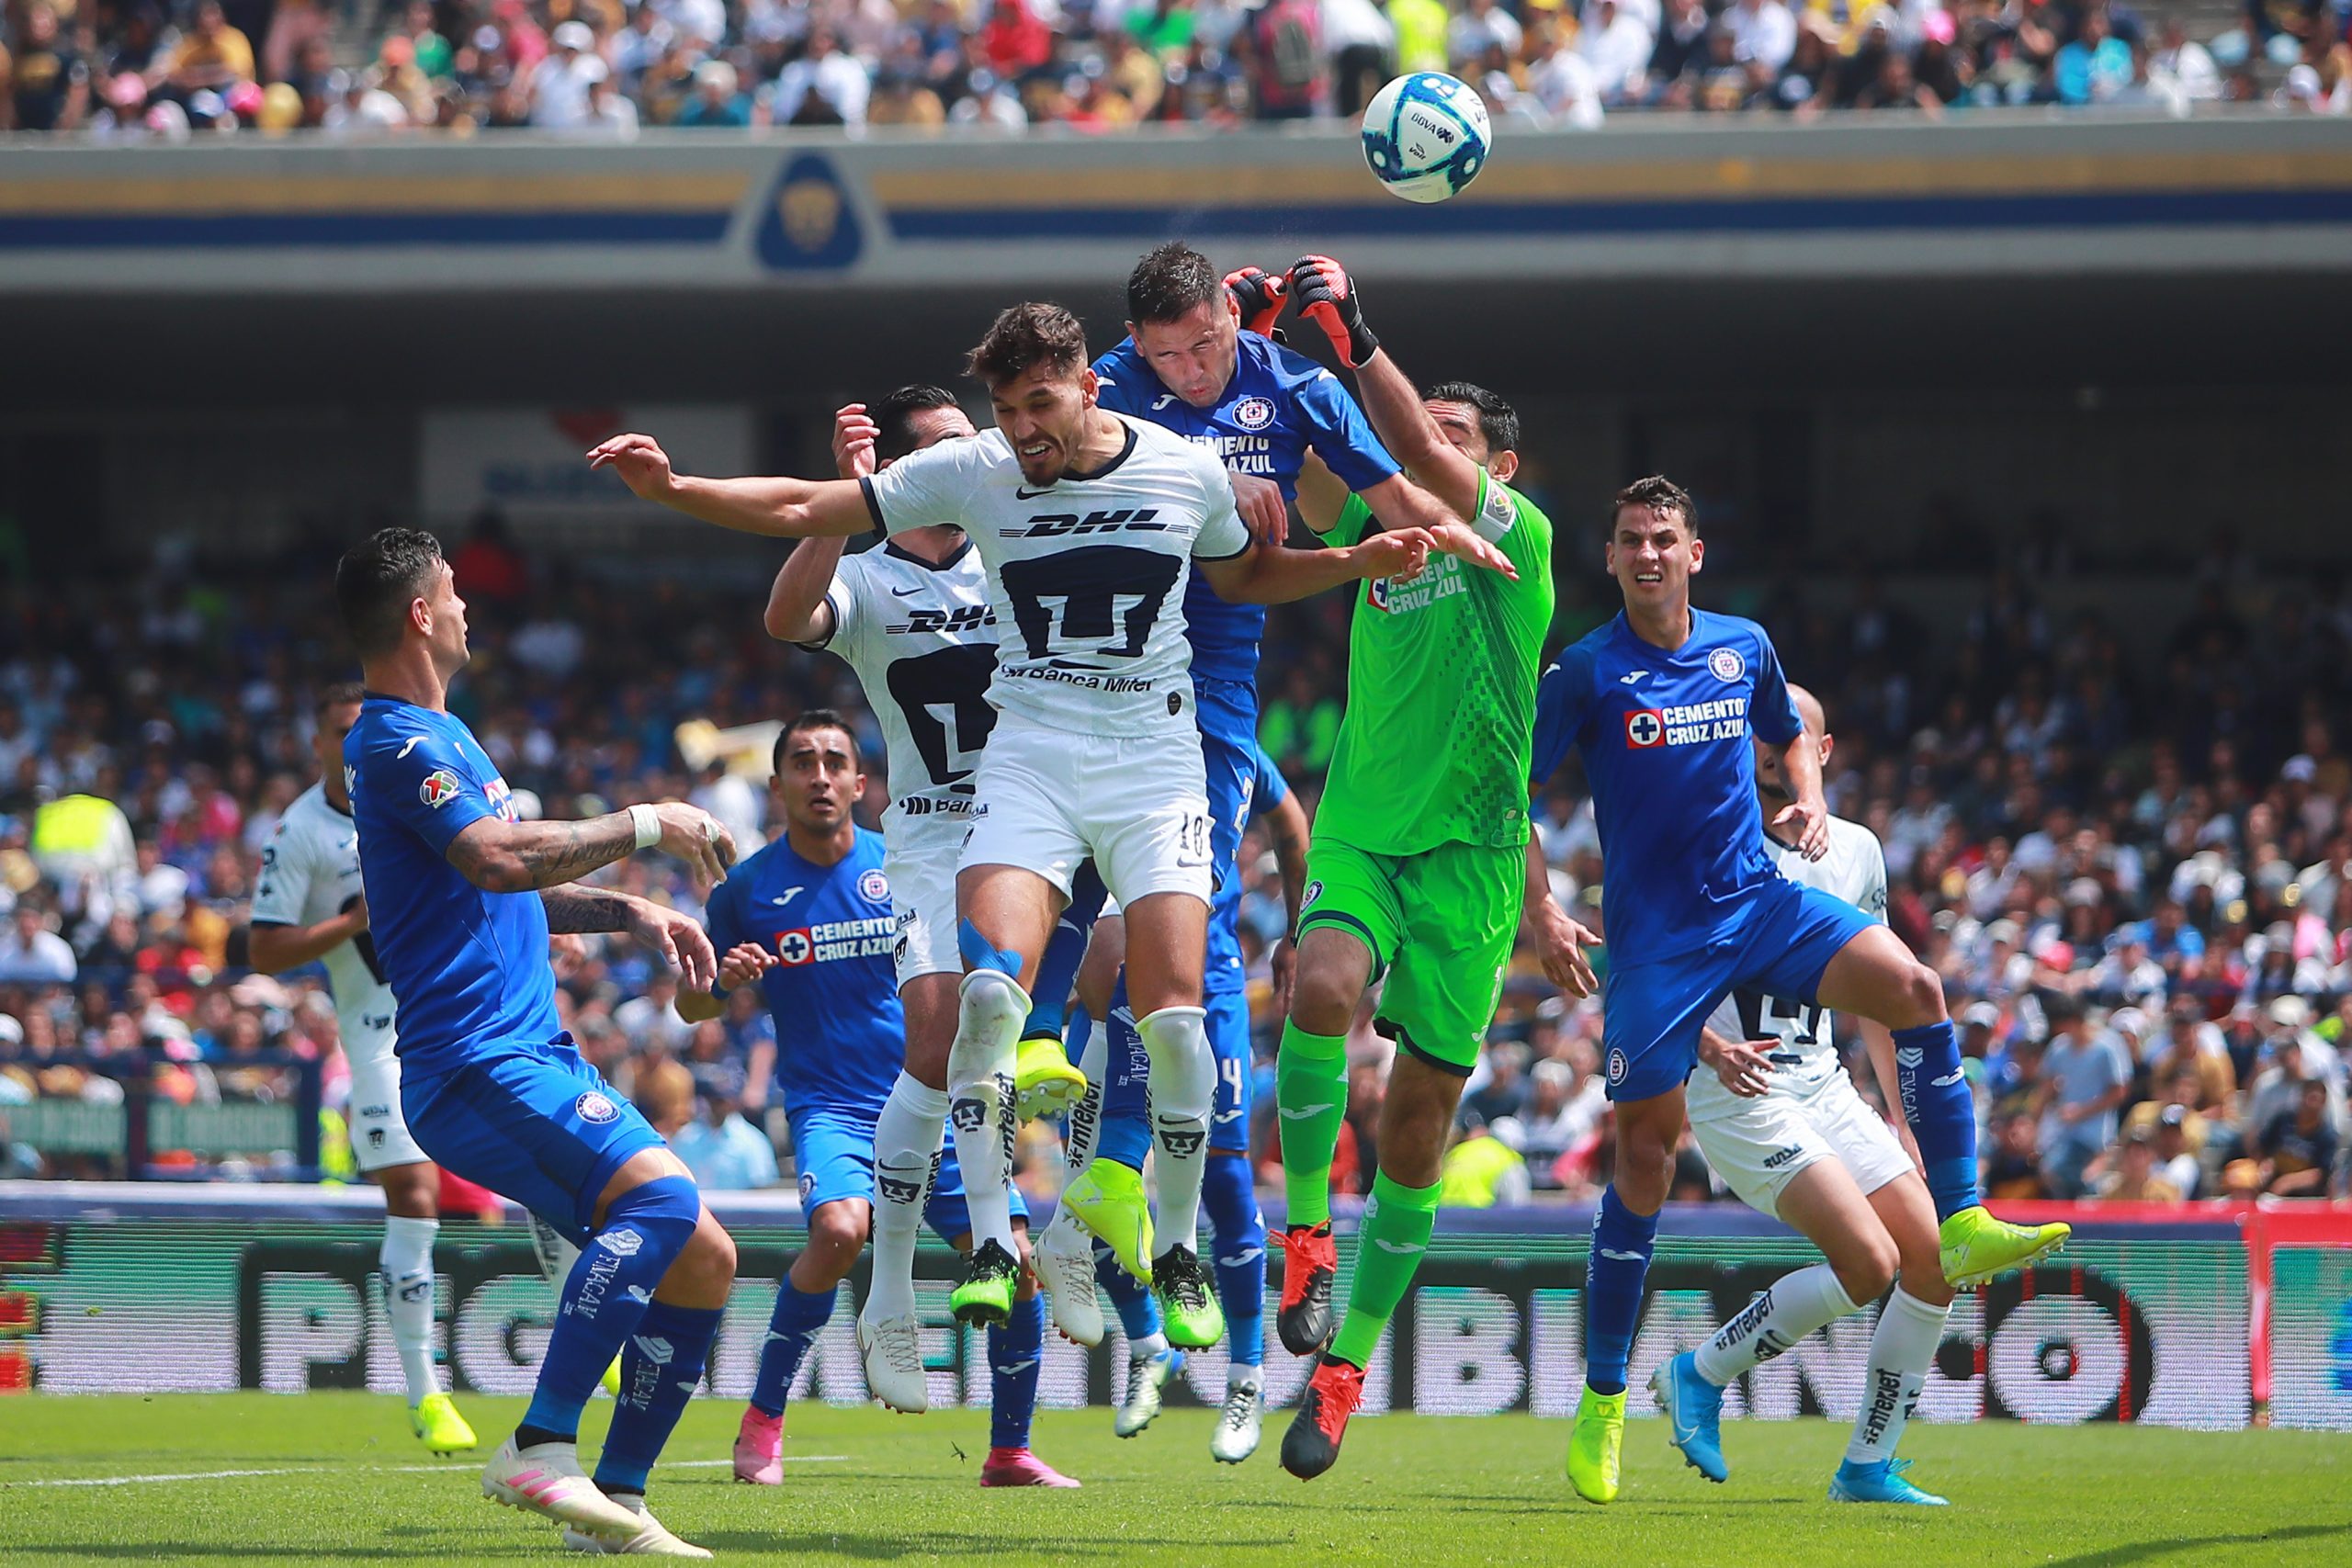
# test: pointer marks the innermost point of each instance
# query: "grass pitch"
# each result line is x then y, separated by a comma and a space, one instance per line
336, 1478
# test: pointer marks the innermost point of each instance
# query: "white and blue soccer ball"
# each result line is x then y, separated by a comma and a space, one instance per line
1426, 136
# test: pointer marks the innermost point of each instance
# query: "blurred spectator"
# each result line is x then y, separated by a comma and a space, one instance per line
824, 86
718, 101
2084, 1076
213, 55
1481, 1168
32, 953
2135, 1178
49, 82
559, 84
726, 1152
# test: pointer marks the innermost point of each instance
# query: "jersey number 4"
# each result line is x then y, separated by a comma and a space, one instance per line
944, 697
1097, 592
1751, 1017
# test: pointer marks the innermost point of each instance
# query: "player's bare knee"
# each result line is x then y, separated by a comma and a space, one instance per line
1866, 1267
836, 1236
706, 1265
1324, 999
1921, 997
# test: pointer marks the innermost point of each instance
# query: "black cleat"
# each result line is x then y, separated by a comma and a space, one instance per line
1310, 1262
1312, 1444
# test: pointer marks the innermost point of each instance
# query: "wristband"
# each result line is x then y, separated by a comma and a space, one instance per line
649, 826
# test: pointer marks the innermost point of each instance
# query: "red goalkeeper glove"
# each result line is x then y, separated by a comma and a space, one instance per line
1259, 294
1326, 295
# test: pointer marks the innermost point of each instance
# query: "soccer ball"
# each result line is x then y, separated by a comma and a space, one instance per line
1426, 136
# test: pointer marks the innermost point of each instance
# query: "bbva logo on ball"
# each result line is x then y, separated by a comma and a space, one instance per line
1426, 136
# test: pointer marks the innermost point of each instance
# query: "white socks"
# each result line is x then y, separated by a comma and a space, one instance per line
1086, 1116
980, 1066
406, 1257
1790, 1308
906, 1157
1183, 1094
1909, 1330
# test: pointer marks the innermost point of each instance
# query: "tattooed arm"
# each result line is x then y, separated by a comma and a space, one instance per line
573, 908
671, 936
516, 857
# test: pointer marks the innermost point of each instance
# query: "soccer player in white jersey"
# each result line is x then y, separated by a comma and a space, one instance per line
1781, 1122
309, 906
1088, 524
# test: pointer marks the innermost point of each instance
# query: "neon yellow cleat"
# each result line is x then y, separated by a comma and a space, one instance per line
1107, 1198
435, 1420
984, 1298
1976, 1246
1594, 1445
612, 1379
1044, 1084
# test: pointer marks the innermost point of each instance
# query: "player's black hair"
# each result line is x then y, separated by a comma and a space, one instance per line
809, 719
335, 694
1660, 494
1497, 420
1023, 337
896, 415
1171, 279
376, 581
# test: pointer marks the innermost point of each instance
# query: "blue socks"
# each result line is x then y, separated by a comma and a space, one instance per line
609, 1289
661, 1368
1138, 1312
1015, 1352
799, 1317
1622, 1240
1942, 1111
980, 954
1232, 1205
1126, 1097
1057, 969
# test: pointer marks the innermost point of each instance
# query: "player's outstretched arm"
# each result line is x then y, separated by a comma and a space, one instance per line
517, 857
667, 934
275, 949
1878, 1043
1277, 576
778, 506
1286, 826
1560, 941
1741, 1064
797, 610
1805, 821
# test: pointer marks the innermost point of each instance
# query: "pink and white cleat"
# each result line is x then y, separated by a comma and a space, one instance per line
546, 1479
1019, 1467
759, 1448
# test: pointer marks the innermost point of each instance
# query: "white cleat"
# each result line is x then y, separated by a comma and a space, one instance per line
1235, 1437
652, 1538
1064, 1261
1144, 1374
892, 1350
546, 1479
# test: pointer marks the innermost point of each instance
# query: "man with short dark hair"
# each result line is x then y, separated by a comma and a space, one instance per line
461, 898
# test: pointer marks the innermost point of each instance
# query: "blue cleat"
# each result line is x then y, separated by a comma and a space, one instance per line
1693, 1410
1880, 1482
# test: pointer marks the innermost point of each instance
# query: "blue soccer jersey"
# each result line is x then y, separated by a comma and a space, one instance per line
469, 967
1278, 406
1664, 739
839, 1033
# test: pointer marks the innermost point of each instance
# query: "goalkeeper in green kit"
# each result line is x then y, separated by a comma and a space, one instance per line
1418, 862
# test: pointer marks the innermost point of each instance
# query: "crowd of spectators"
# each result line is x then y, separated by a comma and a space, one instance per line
2133, 866
606, 67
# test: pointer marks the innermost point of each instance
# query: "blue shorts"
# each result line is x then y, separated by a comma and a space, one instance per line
1229, 1031
533, 1122
834, 1151
1651, 1013
1227, 712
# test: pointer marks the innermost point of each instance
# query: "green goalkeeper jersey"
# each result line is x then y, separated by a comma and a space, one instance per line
1441, 677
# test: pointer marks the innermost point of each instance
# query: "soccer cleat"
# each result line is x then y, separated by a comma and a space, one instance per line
891, 1348
759, 1448
611, 1379
652, 1538
1064, 1261
1310, 1262
1107, 1198
1312, 1444
1192, 1319
546, 1479
1976, 1246
1594, 1445
1237, 1424
435, 1420
1694, 1409
1145, 1374
984, 1298
1044, 1083
1880, 1482
1019, 1467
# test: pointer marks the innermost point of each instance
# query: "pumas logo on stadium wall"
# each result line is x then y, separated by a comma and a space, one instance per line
439, 788
596, 1107
1254, 413
1727, 664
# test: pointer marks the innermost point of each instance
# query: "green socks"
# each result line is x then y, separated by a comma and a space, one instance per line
1389, 1245
1311, 1089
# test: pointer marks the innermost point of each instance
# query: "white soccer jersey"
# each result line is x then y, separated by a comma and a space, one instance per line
923, 641
1087, 576
1804, 1055
309, 872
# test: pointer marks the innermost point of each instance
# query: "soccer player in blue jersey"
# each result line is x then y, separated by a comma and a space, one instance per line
810, 920
1660, 705
461, 898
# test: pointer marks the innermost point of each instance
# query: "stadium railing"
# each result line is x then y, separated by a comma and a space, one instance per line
151, 1136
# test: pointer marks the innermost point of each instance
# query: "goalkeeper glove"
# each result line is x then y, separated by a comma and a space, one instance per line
1327, 295
1259, 294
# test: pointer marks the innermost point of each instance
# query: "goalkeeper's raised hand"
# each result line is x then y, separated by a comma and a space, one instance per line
1326, 295
1259, 294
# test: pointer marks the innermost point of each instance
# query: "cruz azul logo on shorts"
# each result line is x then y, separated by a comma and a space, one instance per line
1616, 1067
1727, 663
593, 1106
1313, 891
439, 788
1254, 413
1644, 728
875, 886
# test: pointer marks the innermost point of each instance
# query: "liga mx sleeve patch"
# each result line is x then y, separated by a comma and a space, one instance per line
1498, 510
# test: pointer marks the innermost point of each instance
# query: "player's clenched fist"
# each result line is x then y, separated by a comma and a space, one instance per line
742, 964
639, 462
1259, 294
698, 838
854, 433
1326, 295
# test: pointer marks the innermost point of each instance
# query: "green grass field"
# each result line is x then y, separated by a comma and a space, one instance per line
336, 1478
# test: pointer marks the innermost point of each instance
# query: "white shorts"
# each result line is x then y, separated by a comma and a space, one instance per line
1758, 1145
919, 857
380, 1136
1139, 808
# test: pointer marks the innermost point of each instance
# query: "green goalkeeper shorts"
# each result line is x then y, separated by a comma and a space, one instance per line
1440, 925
